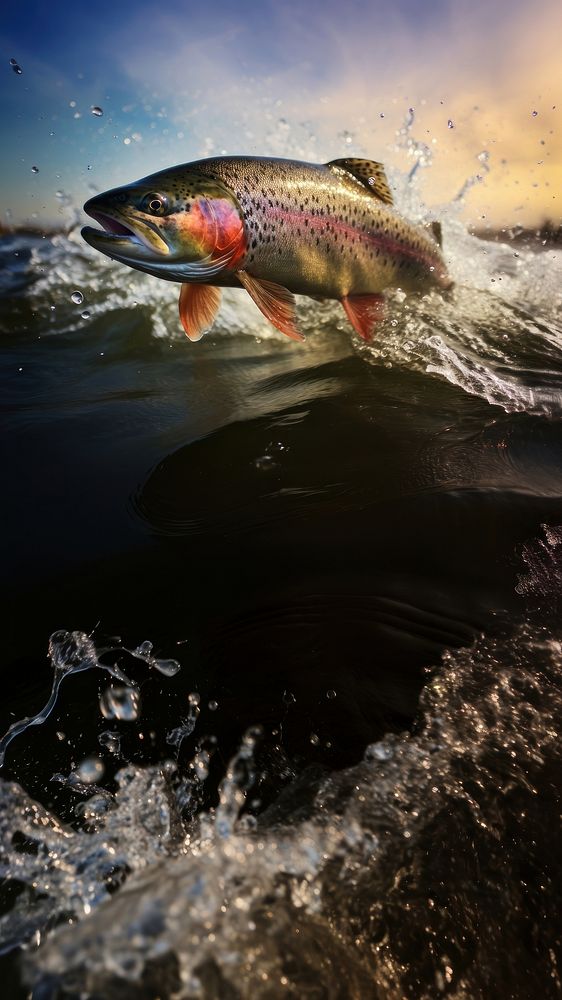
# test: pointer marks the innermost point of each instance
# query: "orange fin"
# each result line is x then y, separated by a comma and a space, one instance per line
364, 312
275, 302
198, 306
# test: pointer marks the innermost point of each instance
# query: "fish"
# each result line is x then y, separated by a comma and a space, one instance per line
275, 227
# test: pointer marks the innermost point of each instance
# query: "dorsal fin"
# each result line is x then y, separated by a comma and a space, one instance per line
368, 173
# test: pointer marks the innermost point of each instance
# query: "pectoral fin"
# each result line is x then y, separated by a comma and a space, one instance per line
274, 301
364, 312
198, 307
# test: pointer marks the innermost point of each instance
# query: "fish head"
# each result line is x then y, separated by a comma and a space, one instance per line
177, 224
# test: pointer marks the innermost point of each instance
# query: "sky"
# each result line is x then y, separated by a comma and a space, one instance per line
177, 80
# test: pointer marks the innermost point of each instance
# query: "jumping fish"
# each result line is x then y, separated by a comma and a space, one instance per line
277, 228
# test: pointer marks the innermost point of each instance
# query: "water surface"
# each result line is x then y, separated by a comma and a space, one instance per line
353, 554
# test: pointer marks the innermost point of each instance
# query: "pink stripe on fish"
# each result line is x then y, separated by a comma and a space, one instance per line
381, 241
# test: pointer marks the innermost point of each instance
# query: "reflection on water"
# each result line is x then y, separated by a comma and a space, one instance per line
354, 549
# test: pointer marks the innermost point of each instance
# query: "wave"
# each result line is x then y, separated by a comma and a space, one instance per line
426, 868
497, 334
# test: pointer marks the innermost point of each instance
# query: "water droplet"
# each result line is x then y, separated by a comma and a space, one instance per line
85, 314
120, 703
381, 114
77, 297
331, 693
35, 170
314, 739
98, 112
127, 141
90, 770
110, 741
265, 463
450, 124
194, 698
16, 67
534, 113
94, 809
213, 705
167, 667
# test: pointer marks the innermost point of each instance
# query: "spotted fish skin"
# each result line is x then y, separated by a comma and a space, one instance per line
278, 228
317, 230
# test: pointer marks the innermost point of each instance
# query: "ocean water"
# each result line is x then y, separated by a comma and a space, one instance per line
282, 647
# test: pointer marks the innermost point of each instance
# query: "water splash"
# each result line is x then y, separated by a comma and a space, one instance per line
74, 652
496, 335
120, 703
484, 161
176, 736
414, 148
543, 558
405, 871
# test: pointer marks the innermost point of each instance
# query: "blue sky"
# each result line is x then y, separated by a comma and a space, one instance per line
178, 80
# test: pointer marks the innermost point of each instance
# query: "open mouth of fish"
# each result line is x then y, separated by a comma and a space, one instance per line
114, 231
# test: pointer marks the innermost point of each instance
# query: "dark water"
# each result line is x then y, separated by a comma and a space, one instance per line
351, 788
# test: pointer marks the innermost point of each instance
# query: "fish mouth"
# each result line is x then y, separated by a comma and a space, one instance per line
123, 237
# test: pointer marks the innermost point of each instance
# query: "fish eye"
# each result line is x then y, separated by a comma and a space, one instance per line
155, 204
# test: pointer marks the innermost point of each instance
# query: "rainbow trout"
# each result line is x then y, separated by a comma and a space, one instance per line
277, 228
